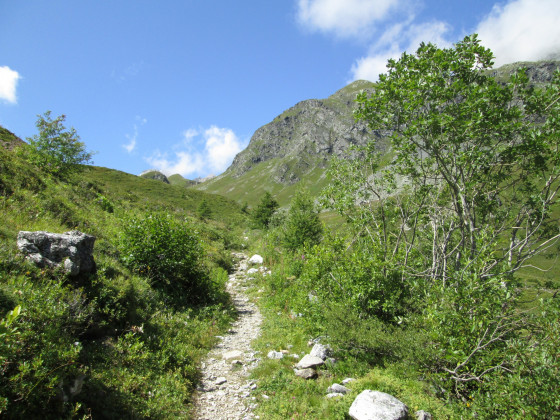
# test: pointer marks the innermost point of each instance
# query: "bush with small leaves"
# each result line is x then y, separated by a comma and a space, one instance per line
167, 251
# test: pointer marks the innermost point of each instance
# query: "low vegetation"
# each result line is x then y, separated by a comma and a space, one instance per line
124, 342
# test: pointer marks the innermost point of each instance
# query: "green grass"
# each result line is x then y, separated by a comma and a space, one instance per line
282, 395
138, 355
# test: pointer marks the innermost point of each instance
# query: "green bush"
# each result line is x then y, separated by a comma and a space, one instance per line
169, 253
302, 226
262, 215
356, 277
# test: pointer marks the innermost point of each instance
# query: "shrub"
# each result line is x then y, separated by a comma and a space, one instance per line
302, 226
168, 252
263, 213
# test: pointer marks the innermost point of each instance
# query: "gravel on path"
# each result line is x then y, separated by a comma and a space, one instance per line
225, 390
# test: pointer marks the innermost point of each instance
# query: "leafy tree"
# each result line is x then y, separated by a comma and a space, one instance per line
477, 165
263, 213
55, 149
302, 225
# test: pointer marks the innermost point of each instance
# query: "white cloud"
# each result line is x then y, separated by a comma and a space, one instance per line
404, 36
202, 152
8, 83
522, 30
182, 162
221, 147
345, 18
132, 138
190, 134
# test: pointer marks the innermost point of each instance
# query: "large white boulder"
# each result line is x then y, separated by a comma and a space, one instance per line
256, 259
376, 405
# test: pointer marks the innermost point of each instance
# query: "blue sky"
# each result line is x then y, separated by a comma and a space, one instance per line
181, 86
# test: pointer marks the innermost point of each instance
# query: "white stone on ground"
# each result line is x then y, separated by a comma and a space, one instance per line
376, 405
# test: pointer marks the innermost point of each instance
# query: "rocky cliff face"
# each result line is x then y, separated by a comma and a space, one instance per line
306, 136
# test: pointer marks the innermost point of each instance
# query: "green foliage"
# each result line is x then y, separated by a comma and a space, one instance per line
55, 149
168, 252
203, 210
115, 344
355, 276
105, 203
302, 226
440, 230
262, 214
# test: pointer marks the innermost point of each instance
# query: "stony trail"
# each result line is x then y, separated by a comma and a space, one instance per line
225, 390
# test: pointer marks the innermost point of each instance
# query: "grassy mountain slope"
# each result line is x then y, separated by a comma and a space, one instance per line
114, 344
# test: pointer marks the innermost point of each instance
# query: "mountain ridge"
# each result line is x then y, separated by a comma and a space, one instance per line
297, 145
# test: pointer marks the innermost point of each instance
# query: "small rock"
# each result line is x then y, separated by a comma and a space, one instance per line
266, 397
252, 271
423, 415
309, 361
275, 355
237, 363
347, 380
331, 361
337, 388
306, 373
221, 380
373, 405
334, 395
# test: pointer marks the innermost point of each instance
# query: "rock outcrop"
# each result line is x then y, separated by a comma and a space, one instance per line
306, 136
71, 250
156, 175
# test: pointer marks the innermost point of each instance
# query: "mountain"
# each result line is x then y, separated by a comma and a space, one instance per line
295, 148
154, 174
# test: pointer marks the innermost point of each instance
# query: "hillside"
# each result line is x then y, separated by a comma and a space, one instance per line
102, 344
295, 148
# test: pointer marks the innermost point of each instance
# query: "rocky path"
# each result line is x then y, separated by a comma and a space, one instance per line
225, 390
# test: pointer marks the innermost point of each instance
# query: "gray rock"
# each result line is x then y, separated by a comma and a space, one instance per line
376, 405
320, 350
347, 380
334, 395
221, 380
306, 373
71, 250
275, 355
309, 361
423, 415
337, 388
252, 271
